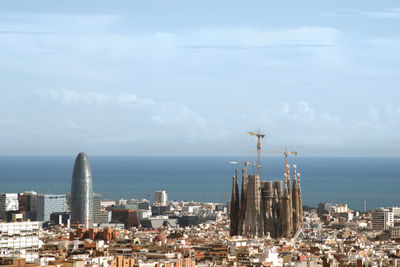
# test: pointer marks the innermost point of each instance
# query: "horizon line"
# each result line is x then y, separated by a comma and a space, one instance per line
264, 156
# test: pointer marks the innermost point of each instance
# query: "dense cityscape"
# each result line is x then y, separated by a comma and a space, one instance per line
268, 227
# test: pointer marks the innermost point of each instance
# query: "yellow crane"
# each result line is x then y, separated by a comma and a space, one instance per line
240, 162
286, 153
259, 136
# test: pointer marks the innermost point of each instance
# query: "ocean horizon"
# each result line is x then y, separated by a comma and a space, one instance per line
349, 180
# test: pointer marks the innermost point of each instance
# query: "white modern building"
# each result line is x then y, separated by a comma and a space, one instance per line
20, 239
8, 202
160, 197
107, 203
396, 211
382, 219
144, 214
340, 208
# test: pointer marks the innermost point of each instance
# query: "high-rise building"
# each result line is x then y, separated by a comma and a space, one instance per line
47, 204
20, 239
382, 219
27, 204
82, 192
99, 216
8, 202
144, 204
324, 207
23, 199
160, 197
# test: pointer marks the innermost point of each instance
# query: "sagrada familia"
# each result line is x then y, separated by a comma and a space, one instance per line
266, 207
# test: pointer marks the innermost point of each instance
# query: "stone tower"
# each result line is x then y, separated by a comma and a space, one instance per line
266, 207
234, 205
253, 219
242, 207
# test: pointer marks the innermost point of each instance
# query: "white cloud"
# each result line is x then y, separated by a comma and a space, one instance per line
252, 38
285, 108
72, 125
374, 112
162, 113
67, 34
132, 99
393, 13
302, 114
173, 113
75, 97
384, 42
304, 111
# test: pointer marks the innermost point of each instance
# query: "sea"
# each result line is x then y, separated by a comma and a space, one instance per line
209, 179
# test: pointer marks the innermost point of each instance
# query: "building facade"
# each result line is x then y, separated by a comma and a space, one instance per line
8, 202
47, 204
160, 197
20, 239
99, 216
266, 207
324, 208
382, 219
126, 214
28, 204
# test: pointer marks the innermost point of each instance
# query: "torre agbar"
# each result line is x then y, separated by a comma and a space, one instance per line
82, 192
266, 206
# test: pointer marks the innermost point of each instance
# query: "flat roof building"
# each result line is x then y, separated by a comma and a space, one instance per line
8, 202
382, 219
160, 197
48, 204
20, 239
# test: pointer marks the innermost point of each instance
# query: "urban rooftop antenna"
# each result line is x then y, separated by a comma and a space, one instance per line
259, 136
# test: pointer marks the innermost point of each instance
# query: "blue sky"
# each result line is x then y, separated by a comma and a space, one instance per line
192, 77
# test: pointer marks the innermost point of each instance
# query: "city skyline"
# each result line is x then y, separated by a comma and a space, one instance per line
179, 78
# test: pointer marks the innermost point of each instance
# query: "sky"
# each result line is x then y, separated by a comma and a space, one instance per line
193, 77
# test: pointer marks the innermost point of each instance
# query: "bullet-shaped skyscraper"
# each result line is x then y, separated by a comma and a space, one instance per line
82, 192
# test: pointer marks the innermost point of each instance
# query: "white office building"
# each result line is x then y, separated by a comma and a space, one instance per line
382, 219
340, 208
20, 239
8, 202
396, 211
161, 197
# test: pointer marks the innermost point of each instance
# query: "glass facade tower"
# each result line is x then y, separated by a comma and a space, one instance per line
82, 192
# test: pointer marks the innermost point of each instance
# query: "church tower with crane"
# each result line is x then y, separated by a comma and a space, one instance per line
266, 207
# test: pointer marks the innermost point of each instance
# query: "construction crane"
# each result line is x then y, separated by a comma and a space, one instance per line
240, 162
259, 136
245, 163
286, 153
